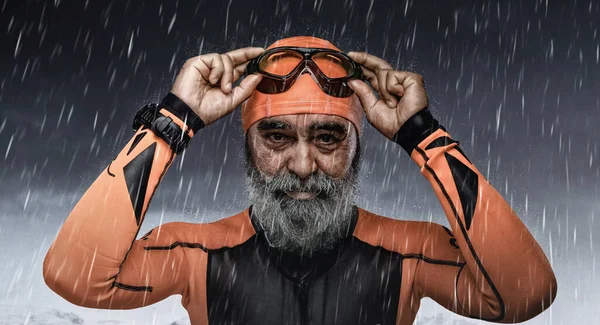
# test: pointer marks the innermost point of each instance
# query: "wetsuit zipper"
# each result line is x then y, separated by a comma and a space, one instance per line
303, 292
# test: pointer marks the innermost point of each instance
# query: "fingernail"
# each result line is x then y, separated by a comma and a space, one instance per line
390, 103
228, 86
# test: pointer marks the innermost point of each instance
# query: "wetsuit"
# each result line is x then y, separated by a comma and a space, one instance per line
485, 265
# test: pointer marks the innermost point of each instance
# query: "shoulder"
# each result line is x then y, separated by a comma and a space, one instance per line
227, 232
407, 237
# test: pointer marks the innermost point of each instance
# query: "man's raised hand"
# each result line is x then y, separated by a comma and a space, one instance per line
401, 93
204, 82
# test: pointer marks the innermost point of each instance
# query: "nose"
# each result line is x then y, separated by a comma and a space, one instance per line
302, 160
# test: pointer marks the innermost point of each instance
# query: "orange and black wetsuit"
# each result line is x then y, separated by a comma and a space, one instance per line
486, 265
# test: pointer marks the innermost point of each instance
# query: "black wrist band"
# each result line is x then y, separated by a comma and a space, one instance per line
180, 109
163, 126
416, 129
169, 131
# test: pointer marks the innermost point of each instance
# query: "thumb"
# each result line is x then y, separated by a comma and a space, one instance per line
242, 91
365, 94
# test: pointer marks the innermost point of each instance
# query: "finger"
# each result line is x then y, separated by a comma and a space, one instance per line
365, 94
371, 62
198, 64
215, 63
226, 80
408, 79
382, 79
239, 71
245, 54
244, 89
396, 88
372, 77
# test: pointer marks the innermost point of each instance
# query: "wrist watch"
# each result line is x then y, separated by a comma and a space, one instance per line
163, 126
182, 111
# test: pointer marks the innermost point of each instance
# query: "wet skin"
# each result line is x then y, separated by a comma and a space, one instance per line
303, 144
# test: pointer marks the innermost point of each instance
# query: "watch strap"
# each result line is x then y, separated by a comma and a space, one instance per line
145, 116
416, 129
179, 108
168, 130
163, 126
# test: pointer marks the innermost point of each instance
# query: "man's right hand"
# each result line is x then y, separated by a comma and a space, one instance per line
204, 82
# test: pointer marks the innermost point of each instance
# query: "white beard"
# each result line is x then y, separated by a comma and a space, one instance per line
302, 226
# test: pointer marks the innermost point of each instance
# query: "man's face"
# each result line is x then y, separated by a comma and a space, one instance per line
302, 173
303, 144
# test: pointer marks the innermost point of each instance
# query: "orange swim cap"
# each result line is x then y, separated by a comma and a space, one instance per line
305, 96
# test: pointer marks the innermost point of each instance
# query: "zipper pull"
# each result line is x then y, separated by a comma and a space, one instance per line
302, 288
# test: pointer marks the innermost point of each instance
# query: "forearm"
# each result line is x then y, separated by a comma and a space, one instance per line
508, 266
87, 255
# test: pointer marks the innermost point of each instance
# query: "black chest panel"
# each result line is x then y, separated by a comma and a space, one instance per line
254, 284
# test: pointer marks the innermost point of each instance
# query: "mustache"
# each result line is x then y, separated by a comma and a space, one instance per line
325, 187
322, 185
302, 226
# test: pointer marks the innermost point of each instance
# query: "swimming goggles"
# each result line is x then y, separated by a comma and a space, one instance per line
281, 67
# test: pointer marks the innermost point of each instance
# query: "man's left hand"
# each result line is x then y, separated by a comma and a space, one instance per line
401, 93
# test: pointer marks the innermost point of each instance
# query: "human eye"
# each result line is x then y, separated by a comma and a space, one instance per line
276, 137
327, 139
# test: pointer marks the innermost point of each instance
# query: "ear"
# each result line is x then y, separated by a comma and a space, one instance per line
358, 131
247, 141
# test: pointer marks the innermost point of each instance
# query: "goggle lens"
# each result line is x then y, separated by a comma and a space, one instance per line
283, 62
280, 63
332, 65
282, 67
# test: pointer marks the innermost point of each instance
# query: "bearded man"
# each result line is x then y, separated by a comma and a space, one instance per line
302, 252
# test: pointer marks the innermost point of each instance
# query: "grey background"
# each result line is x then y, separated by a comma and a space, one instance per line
516, 82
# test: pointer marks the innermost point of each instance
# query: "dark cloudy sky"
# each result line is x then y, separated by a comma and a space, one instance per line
516, 82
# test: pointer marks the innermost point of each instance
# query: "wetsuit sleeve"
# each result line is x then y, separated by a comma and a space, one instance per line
95, 260
490, 266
